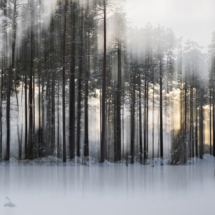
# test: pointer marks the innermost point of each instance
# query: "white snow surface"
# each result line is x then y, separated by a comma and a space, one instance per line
48, 187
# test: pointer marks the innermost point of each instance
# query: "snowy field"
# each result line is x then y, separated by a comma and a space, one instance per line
52, 189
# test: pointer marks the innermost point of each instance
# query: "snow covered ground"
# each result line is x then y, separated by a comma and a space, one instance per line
111, 189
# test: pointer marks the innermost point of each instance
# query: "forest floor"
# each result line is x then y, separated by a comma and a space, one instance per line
110, 189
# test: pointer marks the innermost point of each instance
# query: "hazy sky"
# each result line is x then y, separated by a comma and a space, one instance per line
192, 19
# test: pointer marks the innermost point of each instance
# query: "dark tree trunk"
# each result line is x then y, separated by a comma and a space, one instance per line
161, 113
43, 121
145, 120
201, 127
210, 124
118, 126
58, 120
191, 124
26, 118
72, 89
185, 111
64, 64
39, 84
1, 97
80, 87
30, 140
3, 64
86, 134
18, 133
213, 122
40, 127
196, 127
53, 115
133, 118
48, 116
52, 94
140, 120
103, 138
153, 121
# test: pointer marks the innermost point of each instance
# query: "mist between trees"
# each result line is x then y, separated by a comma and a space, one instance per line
78, 80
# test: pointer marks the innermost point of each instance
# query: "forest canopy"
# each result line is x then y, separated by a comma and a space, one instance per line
77, 79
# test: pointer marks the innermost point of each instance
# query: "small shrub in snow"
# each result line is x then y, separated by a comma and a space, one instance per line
9, 204
179, 150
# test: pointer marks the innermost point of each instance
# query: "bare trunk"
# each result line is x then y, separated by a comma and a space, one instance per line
9, 82
161, 114
103, 138
80, 88
210, 125
145, 120
58, 121
191, 124
140, 121
30, 140
72, 89
213, 122
201, 127
64, 105
133, 119
1, 97
118, 126
153, 121
86, 135
196, 128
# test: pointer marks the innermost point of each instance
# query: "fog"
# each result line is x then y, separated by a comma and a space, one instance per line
157, 60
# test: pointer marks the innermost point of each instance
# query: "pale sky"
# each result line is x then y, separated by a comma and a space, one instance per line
192, 19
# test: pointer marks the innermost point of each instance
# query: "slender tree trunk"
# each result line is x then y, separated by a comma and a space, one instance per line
115, 122
26, 118
43, 121
181, 92
153, 138
191, 124
1, 97
72, 89
39, 78
103, 138
64, 62
48, 113
201, 127
80, 87
8, 113
185, 111
53, 74
30, 144
53, 115
145, 120
18, 133
140, 121
31, 104
161, 114
196, 127
210, 125
86, 135
4, 59
58, 121
213, 122
40, 127
133, 118
9, 82
118, 126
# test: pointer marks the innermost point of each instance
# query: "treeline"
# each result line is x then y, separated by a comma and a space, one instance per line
53, 64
